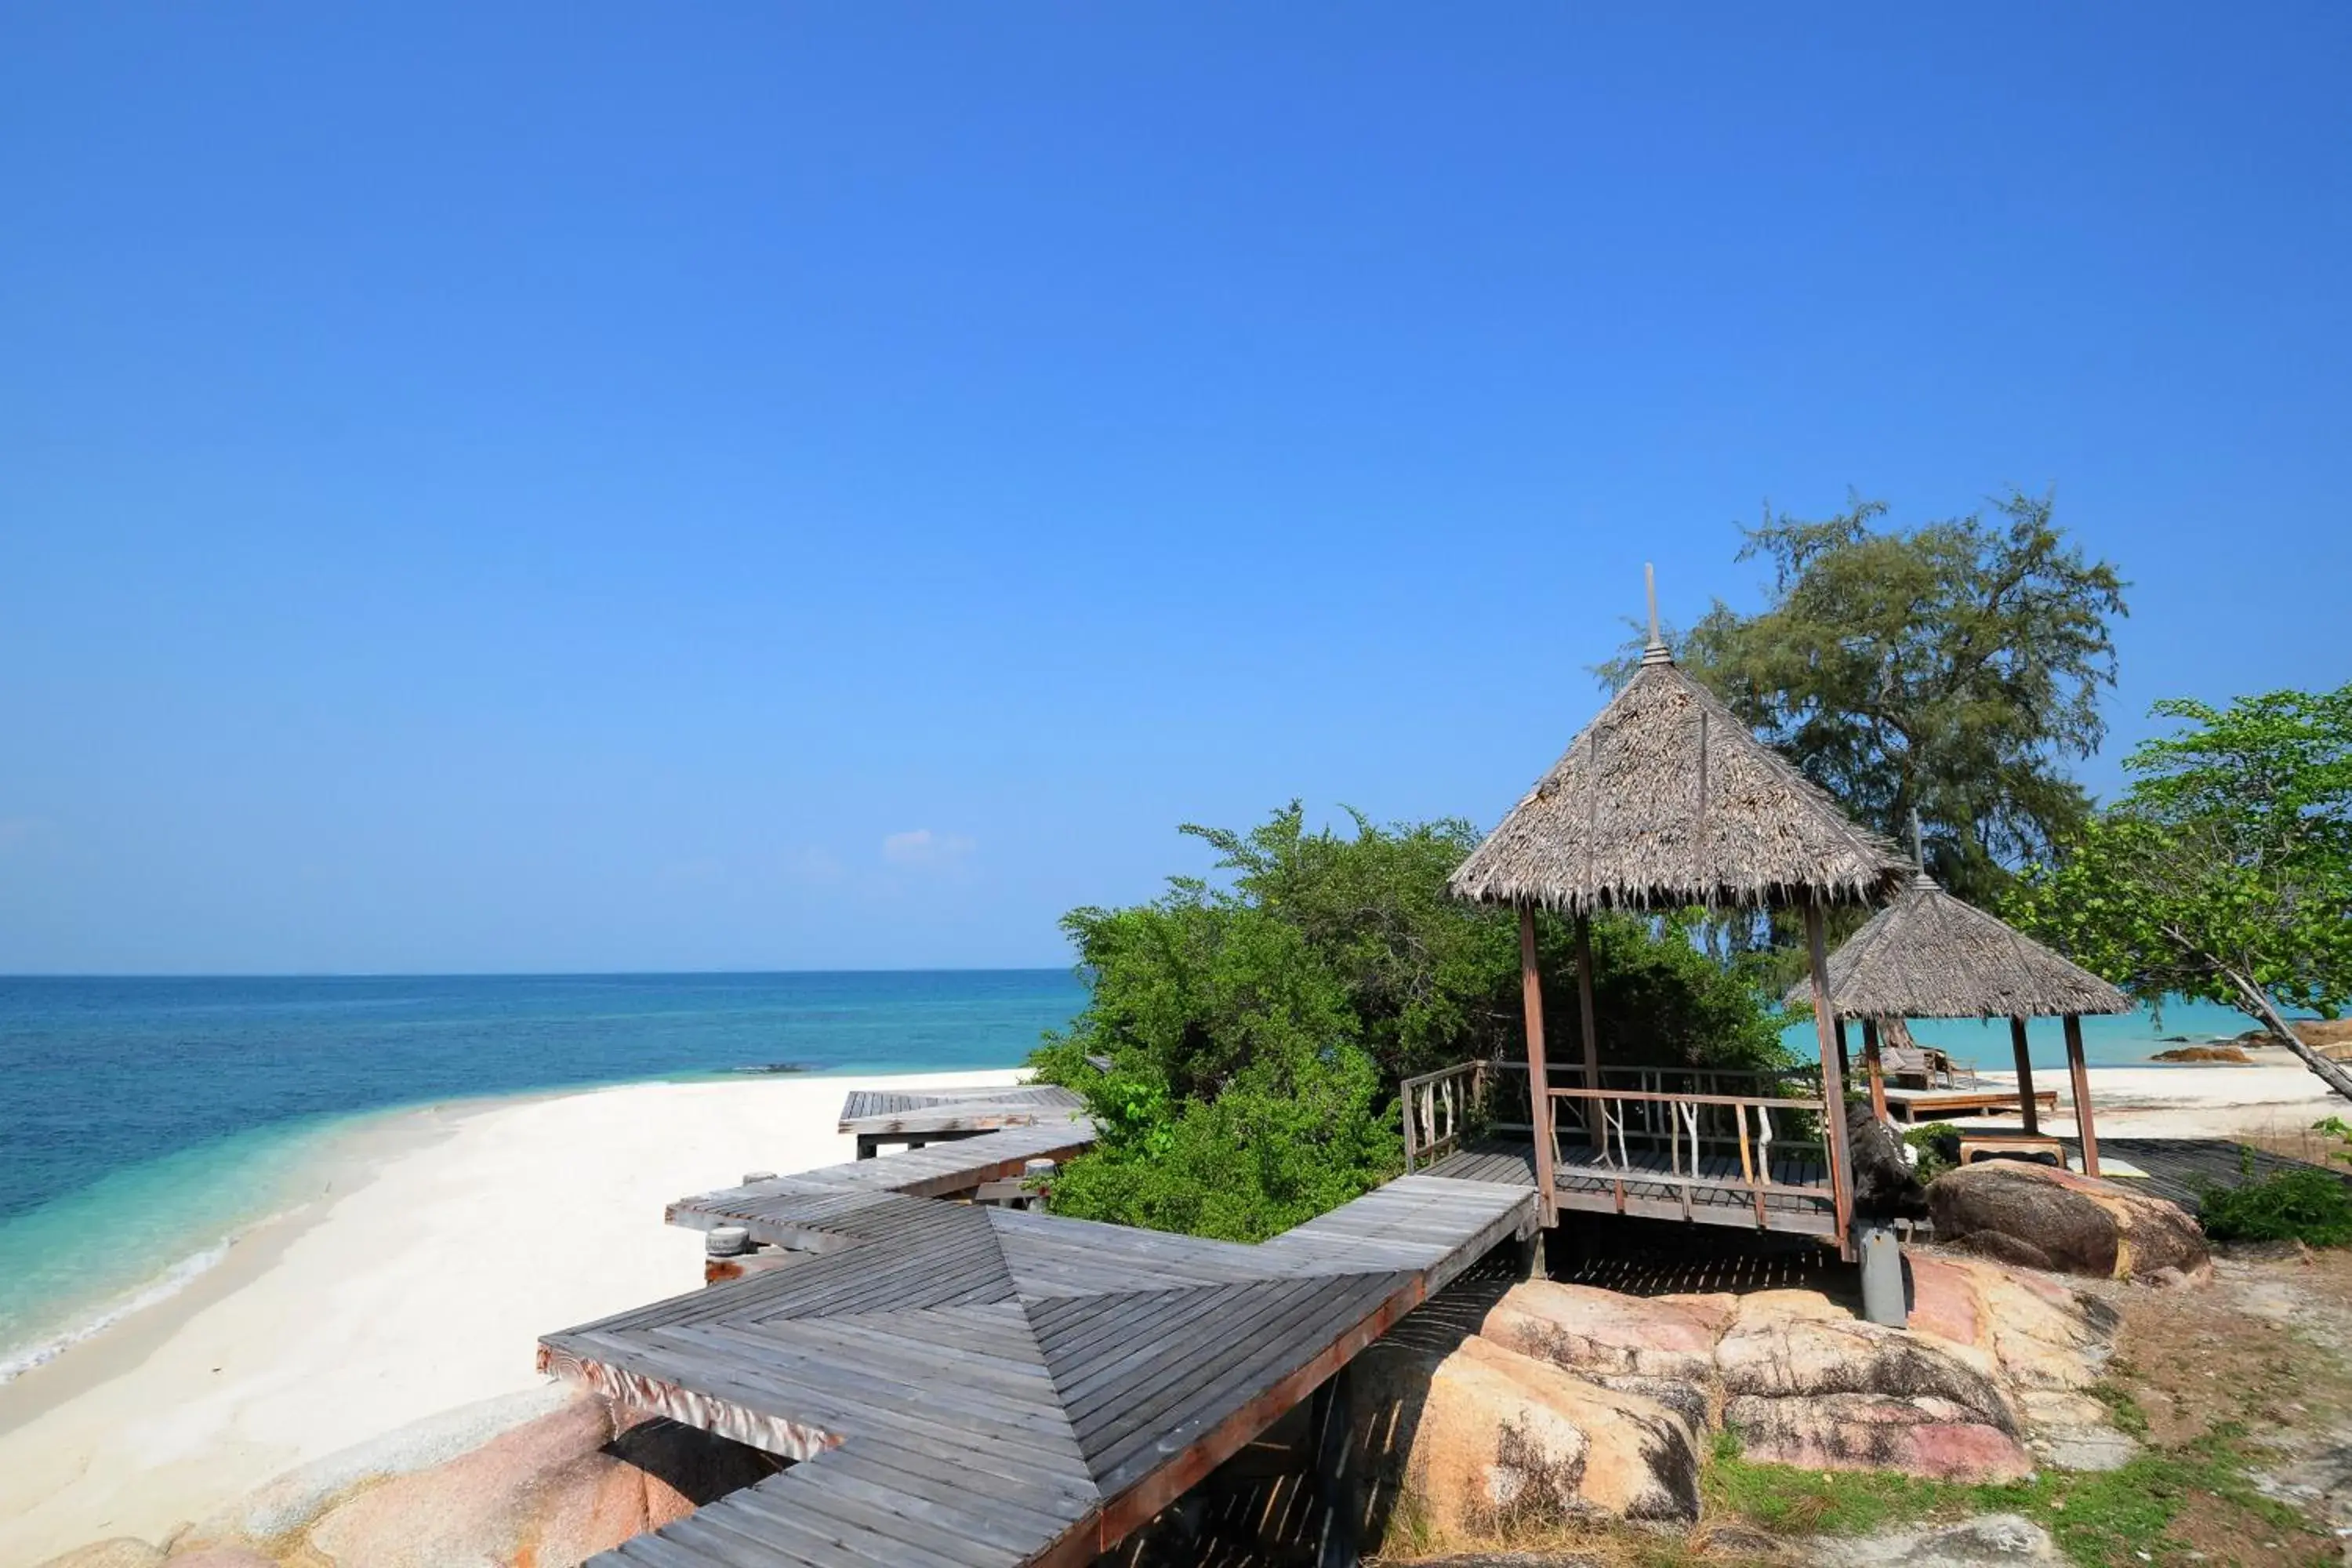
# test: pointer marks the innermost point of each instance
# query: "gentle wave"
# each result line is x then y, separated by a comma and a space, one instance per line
13, 1364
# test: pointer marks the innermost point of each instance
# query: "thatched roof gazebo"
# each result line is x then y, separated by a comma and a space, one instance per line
1666, 801
1930, 955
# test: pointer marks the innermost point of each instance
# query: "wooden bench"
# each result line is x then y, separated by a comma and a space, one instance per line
1975, 1146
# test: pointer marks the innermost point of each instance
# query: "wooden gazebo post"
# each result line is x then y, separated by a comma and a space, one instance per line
2080, 1072
1875, 1065
1832, 1082
1538, 1067
2024, 1075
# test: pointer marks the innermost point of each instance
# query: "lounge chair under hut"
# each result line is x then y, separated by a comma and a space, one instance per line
1930, 955
1666, 802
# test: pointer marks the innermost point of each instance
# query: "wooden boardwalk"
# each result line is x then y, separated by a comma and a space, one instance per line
1796, 1197
970, 1387
918, 1117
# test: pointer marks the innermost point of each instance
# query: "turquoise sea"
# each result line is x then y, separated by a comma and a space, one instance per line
143, 1122
2125, 1039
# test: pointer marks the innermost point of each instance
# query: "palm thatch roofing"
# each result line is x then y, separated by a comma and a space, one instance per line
1931, 955
1667, 801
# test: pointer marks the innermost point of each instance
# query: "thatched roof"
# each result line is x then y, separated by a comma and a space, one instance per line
1930, 955
1666, 801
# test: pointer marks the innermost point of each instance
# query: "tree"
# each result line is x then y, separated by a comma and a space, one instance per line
2225, 872
1952, 668
1258, 1026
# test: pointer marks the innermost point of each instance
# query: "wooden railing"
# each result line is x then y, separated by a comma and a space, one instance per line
1684, 1128
1439, 1107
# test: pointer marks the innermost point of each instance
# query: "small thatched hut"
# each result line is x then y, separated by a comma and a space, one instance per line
1667, 801
1930, 955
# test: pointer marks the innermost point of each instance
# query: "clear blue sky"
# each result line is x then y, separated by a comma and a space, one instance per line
594, 487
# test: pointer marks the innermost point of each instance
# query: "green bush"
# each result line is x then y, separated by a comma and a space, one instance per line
1256, 1029
2305, 1205
1938, 1143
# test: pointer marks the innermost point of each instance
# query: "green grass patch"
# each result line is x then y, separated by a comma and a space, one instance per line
2123, 1411
2097, 1518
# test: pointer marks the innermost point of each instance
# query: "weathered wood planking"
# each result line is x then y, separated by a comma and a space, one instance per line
898, 1112
815, 1210
967, 1386
1796, 1198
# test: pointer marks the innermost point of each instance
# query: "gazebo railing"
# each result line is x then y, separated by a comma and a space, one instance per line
1444, 1108
1598, 1131
1438, 1107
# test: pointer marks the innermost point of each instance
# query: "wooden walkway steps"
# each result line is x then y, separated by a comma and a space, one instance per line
973, 1387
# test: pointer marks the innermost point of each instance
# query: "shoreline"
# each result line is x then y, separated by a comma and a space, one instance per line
441, 1242
339, 1137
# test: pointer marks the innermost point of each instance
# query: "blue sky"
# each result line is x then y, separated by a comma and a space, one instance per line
597, 487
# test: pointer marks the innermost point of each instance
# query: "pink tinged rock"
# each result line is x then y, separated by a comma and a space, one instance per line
1785, 1344
1944, 1302
1485, 1438
2043, 1333
122, 1551
1716, 1309
486, 1506
1922, 1435
220, 1554
1587, 1331
593, 1505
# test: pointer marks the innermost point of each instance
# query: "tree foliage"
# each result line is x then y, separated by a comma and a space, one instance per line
2224, 873
1952, 668
1258, 1023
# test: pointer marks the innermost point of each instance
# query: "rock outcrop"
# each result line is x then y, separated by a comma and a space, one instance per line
122, 1551
2003, 1537
542, 1479
1807, 1383
1494, 1441
2041, 1217
1659, 1348
1572, 1400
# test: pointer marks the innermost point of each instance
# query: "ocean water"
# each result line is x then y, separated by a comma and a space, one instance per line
2123, 1039
145, 1122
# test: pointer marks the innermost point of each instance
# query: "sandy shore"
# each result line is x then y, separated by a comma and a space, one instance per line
2274, 1096
443, 1242
441, 1246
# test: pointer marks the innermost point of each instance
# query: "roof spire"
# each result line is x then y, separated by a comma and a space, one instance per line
1656, 652
1919, 851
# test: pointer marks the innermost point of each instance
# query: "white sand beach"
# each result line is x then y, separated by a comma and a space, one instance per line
442, 1245
443, 1242
2274, 1096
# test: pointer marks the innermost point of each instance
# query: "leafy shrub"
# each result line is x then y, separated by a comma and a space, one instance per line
1256, 1030
2305, 1205
1939, 1146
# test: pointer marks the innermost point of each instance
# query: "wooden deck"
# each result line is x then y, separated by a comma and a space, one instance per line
1797, 1199
970, 1387
955, 1110
1930, 1104
918, 1117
